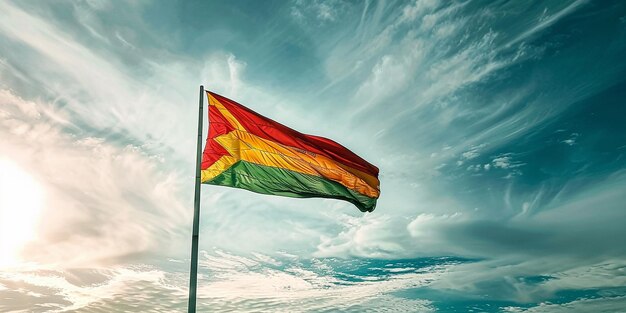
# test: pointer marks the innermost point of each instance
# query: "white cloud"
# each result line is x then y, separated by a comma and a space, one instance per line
418, 8
312, 288
65, 294
419, 78
571, 140
368, 236
582, 305
316, 12
473, 152
506, 161
502, 162
545, 22
226, 282
425, 227
385, 236
102, 201
388, 76
99, 90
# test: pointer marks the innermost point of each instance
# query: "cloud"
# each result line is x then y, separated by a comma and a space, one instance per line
526, 245
369, 236
571, 140
314, 287
547, 21
545, 243
224, 77
317, 12
385, 236
472, 152
610, 304
437, 82
131, 138
79, 289
502, 162
505, 161
226, 282
93, 85
102, 202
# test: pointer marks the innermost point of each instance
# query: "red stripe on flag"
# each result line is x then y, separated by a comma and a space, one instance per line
218, 125
271, 130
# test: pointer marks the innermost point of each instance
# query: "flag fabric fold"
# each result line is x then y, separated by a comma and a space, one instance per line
247, 150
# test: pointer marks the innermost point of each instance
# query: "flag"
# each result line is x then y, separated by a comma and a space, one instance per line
247, 150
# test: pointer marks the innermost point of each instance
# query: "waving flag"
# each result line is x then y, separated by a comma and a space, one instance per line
249, 151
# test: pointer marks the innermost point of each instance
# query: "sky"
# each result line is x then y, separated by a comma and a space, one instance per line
498, 127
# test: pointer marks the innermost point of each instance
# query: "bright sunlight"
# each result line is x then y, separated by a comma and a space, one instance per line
21, 199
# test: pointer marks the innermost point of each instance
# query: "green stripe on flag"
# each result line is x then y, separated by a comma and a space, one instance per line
281, 182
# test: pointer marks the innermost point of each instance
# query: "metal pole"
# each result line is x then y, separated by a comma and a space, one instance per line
193, 276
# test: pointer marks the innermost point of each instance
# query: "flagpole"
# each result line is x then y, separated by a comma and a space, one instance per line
193, 276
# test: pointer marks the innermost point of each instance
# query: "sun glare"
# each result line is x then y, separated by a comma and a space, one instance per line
20, 204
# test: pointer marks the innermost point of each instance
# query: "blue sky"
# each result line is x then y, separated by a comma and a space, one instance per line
498, 128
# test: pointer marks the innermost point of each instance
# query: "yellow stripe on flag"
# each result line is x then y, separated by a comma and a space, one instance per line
244, 146
229, 117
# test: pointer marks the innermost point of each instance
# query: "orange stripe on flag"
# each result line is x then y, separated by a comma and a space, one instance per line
244, 146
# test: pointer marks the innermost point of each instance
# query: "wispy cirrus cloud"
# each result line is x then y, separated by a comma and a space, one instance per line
113, 149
